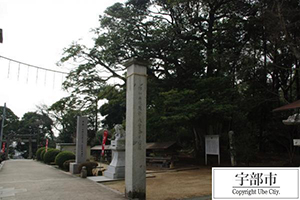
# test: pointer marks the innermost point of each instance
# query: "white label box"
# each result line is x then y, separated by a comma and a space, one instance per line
255, 183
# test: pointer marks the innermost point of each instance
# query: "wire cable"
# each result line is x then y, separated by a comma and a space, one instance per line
33, 66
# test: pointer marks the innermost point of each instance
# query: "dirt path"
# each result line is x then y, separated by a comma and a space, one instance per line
174, 185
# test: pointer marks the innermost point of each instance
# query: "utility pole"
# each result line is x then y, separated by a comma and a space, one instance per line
1, 36
2, 124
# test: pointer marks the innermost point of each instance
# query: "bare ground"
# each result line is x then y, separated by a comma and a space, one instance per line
174, 184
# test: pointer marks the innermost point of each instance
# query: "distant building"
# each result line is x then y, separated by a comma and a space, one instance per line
72, 147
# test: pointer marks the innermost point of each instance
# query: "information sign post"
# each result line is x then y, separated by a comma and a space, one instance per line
212, 146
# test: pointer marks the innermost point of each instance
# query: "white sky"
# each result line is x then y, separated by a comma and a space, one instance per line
35, 32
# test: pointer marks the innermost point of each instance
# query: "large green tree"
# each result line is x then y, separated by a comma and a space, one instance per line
39, 125
214, 66
11, 121
34, 128
184, 41
64, 114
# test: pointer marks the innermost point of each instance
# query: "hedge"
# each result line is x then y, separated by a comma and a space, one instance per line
43, 154
63, 157
49, 156
2, 157
38, 153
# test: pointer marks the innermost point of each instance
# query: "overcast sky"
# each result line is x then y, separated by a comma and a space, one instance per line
35, 32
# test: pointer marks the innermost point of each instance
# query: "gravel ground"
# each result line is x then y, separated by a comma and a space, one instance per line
171, 185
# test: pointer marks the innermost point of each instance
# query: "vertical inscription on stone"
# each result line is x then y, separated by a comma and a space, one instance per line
83, 125
140, 115
135, 167
81, 139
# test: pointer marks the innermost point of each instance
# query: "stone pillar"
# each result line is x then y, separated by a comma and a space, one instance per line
81, 143
135, 159
30, 147
232, 148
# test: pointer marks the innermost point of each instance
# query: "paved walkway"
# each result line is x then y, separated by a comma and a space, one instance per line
31, 180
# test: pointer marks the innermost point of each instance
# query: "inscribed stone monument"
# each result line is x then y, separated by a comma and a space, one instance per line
81, 144
135, 159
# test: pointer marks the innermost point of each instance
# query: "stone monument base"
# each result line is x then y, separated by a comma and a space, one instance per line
74, 168
115, 172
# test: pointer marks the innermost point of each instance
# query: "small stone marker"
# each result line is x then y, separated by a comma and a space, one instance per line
83, 173
116, 169
135, 168
81, 144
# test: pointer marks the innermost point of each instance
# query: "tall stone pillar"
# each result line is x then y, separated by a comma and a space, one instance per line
30, 147
135, 159
81, 143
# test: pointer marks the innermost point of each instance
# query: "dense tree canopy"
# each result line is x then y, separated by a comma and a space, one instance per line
11, 121
214, 66
37, 126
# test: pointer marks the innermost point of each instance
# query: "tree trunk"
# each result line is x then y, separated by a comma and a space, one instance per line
197, 143
297, 79
209, 46
96, 117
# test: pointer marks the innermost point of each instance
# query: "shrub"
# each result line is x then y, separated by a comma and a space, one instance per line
49, 156
38, 153
89, 167
42, 154
63, 157
2, 157
66, 165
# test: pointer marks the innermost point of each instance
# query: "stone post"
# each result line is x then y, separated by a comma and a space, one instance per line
232, 148
2, 125
81, 143
30, 147
135, 151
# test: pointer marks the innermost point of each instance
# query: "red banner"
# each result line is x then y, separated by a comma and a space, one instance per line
104, 141
46, 145
3, 147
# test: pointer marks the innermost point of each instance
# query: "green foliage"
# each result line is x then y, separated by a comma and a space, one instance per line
39, 152
66, 165
39, 125
35, 123
63, 157
49, 156
114, 109
246, 148
43, 154
214, 66
2, 157
65, 114
98, 138
11, 121
89, 167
